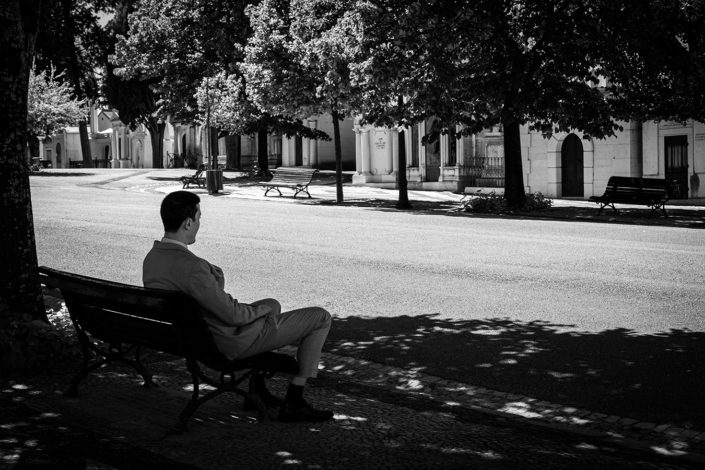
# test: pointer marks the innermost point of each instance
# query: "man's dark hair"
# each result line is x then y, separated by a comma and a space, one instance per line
177, 207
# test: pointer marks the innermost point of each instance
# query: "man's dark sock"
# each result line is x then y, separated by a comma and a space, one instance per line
294, 394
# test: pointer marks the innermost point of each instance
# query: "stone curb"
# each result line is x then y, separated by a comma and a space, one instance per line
659, 438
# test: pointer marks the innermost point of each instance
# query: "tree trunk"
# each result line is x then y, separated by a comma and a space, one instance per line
233, 151
262, 157
513, 173
338, 158
85, 144
156, 133
20, 290
213, 146
403, 202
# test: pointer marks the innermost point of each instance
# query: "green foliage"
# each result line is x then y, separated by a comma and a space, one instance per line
493, 203
71, 40
659, 59
51, 105
174, 44
298, 62
297, 59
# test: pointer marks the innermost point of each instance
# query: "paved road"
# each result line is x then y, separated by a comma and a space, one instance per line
603, 316
361, 262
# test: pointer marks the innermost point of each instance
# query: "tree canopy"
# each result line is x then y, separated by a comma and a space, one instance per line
658, 51
298, 62
482, 64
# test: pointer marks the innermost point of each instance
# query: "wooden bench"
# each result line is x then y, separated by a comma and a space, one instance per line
651, 192
296, 178
196, 178
114, 322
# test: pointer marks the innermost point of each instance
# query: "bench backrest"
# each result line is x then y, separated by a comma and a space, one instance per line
293, 175
121, 313
637, 188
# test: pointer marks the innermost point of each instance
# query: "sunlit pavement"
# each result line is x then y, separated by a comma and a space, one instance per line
386, 417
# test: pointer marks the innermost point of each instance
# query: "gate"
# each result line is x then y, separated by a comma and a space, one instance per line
487, 169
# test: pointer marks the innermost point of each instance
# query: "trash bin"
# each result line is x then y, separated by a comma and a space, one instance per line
214, 181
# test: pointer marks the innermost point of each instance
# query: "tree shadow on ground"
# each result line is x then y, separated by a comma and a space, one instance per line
57, 173
117, 423
688, 218
653, 378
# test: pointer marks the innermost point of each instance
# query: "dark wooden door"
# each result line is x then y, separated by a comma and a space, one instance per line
433, 150
298, 151
676, 156
572, 167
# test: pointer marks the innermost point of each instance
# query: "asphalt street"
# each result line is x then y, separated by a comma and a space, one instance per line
602, 316
361, 262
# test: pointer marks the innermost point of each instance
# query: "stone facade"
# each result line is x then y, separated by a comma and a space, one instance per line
115, 145
564, 165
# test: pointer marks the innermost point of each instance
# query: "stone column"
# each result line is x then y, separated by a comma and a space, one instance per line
358, 150
365, 137
115, 163
306, 151
286, 141
313, 144
445, 148
390, 151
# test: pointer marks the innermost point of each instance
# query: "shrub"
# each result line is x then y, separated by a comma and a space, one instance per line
536, 202
490, 203
493, 203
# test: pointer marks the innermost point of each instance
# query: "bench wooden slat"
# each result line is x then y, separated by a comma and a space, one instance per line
296, 178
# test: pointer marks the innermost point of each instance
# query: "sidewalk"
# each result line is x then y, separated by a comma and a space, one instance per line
681, 213
386, 417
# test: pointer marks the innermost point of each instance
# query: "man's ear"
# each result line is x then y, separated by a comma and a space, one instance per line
186, 224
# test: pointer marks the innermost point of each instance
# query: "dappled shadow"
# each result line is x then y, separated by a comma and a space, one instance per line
679, 216
417, 207
654, 378
118, 422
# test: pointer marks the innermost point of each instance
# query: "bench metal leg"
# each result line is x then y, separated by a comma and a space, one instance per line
269, 188
607, 204
656, 207
72, 390
221, 386
302, 190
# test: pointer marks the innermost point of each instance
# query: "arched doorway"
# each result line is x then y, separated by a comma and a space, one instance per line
572, 167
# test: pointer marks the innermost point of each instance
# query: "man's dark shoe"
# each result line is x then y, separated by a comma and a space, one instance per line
269, 400
302, 411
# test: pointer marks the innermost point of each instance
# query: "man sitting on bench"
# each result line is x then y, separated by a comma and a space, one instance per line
239, 330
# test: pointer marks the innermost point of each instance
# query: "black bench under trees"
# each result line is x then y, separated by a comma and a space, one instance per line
651, 192
296, 178
115, 321
196, 178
